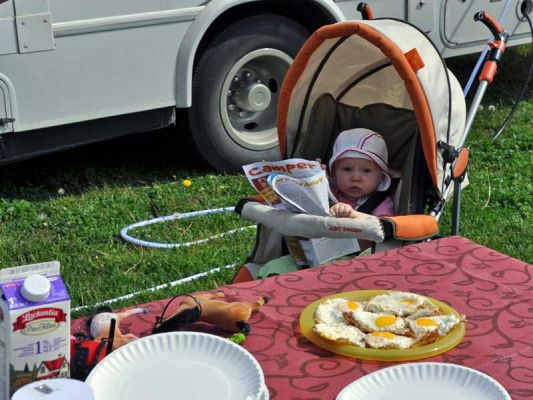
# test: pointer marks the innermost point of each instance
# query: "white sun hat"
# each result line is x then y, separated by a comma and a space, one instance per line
366, 144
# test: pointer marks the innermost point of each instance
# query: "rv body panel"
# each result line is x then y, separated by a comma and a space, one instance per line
68, 62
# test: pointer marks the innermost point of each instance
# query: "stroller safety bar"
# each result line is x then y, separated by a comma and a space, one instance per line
314, 226
367, 227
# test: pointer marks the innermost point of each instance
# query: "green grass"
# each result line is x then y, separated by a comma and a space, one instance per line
497, 205
71, 206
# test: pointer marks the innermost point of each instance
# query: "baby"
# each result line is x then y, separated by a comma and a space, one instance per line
358, 168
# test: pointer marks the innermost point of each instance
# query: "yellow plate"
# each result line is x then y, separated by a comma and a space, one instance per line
452, 339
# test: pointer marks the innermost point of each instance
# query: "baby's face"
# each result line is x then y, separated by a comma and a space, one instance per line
357, 177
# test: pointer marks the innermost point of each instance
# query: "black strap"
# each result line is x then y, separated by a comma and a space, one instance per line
159, 320
388, 229
111, 339
101, 346
378, 197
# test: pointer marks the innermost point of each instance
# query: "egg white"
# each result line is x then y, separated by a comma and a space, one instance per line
330, 311
442, 324
345, 334
400, 304
387, 340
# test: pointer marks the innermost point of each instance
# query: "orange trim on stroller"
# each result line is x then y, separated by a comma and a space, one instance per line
461, 163
413, 227
398, 59
291, 78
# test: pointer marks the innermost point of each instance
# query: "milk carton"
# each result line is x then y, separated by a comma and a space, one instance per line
34, 326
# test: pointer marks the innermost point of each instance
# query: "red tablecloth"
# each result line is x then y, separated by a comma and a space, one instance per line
493, 290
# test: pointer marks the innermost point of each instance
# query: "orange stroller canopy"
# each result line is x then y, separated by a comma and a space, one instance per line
383, 61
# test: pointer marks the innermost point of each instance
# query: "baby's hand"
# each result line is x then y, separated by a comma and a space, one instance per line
341, 210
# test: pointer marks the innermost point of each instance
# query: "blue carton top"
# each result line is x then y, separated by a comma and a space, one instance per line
15, 300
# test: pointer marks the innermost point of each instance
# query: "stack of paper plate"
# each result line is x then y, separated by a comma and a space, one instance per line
179, 365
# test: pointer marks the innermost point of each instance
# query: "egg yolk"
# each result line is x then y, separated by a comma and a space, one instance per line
385, 320
352, 306
408, 301
426, 322
386, 335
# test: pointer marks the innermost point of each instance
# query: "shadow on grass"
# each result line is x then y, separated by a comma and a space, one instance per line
139, 159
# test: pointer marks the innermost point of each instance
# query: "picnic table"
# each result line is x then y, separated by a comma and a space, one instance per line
493, 290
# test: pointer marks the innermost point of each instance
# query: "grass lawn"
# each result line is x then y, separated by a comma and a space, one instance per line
71, 206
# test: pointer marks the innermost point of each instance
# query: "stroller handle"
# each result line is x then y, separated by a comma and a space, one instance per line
497, 45
365, 10
490, 68
490, 22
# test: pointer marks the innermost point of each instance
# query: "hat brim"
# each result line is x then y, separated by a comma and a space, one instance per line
385, 182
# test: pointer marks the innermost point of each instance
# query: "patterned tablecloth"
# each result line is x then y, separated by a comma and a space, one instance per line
493, 290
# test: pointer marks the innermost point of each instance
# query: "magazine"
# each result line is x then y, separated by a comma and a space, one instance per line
258, 174
300, 186
306, 195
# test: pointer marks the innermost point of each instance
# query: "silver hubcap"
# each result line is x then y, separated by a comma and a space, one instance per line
249, 98
256, 97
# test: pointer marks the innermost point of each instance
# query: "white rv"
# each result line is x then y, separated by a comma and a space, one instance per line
79, 71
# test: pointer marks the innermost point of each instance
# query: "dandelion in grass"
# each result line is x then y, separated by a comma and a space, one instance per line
186, 182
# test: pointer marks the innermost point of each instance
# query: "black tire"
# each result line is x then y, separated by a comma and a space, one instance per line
235, 130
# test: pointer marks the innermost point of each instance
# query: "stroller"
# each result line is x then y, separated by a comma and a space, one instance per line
387, 76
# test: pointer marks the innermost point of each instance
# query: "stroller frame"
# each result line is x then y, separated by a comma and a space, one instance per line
432, 131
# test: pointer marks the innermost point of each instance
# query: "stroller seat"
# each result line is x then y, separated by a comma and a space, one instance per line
398, 126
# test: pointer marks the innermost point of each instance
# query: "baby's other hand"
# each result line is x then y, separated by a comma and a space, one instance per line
341, 210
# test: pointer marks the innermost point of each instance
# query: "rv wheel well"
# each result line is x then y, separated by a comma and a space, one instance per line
314, 17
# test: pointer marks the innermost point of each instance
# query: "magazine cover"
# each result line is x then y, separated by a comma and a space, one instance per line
258, 173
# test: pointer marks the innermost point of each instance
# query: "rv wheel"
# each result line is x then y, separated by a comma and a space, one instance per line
236, 87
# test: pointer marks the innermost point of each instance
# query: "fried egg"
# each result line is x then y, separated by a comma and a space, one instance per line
331, 325
371, 322
330, 311
343, 334
388, 340
400, 304
428, 329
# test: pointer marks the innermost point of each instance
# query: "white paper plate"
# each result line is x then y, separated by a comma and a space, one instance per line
178, 365
425, 381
